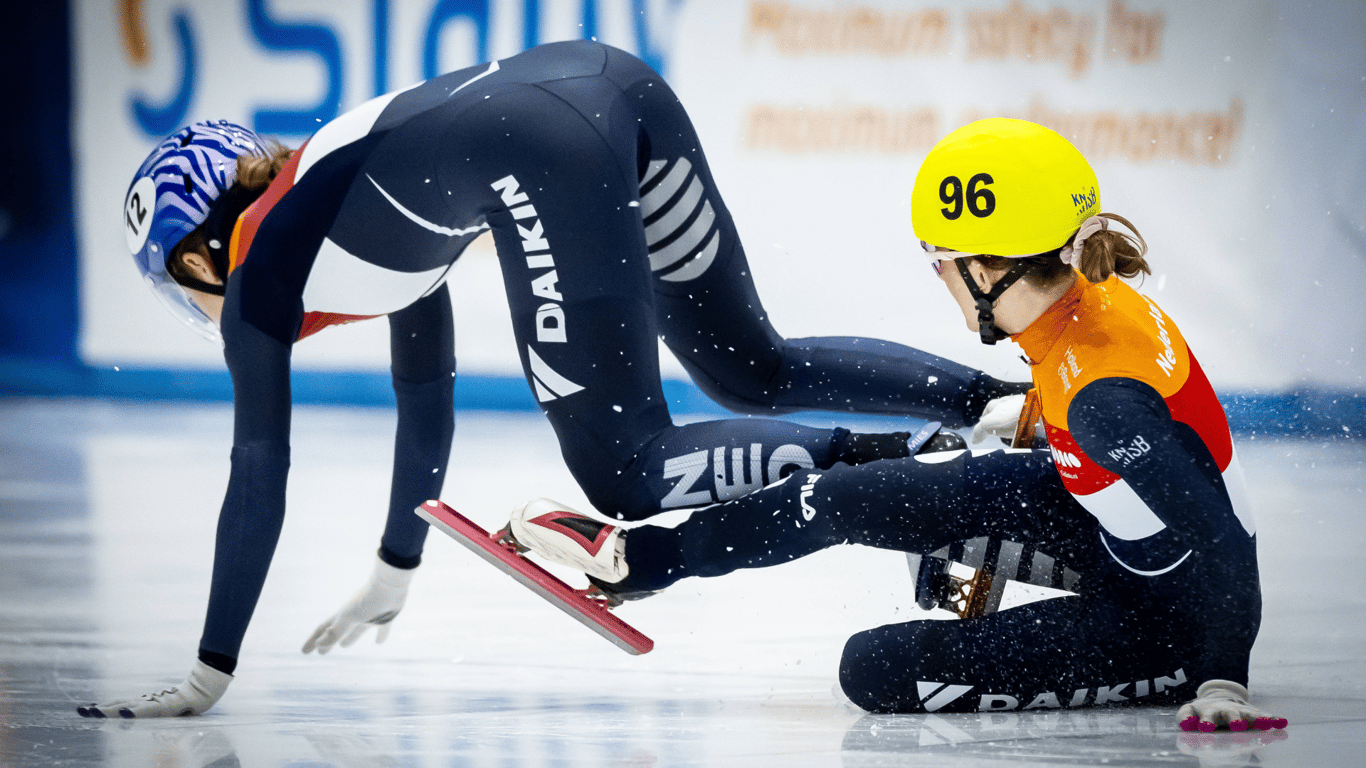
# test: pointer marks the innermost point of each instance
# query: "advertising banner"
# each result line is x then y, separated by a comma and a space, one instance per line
1229, 134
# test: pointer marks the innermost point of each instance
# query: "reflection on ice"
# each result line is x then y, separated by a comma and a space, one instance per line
1143, 736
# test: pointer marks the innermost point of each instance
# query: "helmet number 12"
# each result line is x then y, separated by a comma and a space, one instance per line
980, 200
136, 213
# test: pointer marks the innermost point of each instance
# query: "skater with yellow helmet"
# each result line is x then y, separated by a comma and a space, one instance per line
1139, 493
1138, 437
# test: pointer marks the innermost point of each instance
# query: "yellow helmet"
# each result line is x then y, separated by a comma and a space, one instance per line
1003, 187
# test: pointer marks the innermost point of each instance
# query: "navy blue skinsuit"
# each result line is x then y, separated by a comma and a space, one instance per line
610, 233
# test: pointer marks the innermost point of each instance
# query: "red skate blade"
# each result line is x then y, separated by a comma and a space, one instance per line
589, 612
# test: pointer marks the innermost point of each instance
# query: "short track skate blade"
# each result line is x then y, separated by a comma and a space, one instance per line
590, 612
1029, 420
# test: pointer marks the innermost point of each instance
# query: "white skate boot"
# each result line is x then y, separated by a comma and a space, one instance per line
561, 535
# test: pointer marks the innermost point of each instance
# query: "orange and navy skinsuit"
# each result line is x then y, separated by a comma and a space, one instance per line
1152, 457
1139, 492
1140, 440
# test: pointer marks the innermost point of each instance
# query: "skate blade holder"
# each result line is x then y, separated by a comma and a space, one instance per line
970, 597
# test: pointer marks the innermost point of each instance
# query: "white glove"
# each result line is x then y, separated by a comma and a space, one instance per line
375, 605
201, 690
999, 419
1223, 703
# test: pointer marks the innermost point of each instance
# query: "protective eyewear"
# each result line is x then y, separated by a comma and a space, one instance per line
938, 256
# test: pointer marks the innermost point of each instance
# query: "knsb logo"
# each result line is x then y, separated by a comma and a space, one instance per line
1085, 201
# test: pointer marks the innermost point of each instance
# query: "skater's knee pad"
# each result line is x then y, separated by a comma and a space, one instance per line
878, 669
863, 674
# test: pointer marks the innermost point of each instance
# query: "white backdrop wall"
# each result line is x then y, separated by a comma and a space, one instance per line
1230, 133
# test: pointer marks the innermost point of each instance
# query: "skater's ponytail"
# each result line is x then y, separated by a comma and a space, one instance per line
1112, 252
1104, 253
256, 172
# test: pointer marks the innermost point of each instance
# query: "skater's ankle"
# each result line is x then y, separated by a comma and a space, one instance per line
654, 559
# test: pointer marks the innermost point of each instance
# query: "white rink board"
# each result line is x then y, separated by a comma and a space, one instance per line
815, 116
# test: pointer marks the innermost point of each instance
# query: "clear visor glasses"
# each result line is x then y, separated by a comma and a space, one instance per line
174, 298
938, 256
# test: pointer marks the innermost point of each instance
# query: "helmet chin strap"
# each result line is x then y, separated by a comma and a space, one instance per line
217, 232
986, 314
218, 226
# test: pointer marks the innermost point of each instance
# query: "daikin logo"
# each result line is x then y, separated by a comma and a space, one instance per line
549, 316
935, 696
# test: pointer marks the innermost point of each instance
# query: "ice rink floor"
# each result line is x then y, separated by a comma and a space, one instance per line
107, 513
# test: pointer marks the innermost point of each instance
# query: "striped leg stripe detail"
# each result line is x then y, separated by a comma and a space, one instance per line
680, 223
1011, 559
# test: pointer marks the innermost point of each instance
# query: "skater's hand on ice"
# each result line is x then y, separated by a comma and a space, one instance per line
999, 419
1223, 704
375, 605
201, 690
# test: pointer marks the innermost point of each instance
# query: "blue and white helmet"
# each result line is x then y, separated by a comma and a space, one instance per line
172, 194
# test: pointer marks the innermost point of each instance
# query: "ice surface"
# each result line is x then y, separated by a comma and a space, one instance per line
107, 514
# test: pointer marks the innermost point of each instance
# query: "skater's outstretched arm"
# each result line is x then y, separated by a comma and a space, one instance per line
422, 344
249, 522
1128, 429
422, 347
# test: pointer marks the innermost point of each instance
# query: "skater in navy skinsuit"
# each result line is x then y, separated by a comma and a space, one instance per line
610, 233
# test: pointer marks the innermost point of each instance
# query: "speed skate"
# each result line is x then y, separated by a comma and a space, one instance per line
586, 605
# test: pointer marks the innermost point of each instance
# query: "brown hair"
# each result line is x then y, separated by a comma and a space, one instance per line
1111, 252
254, 174
1107, 252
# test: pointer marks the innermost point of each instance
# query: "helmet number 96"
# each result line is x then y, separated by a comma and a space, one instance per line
979, 200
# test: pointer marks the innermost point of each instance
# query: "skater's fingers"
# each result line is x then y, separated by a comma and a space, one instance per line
354, 634
106, 709
329, 638
315, 640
